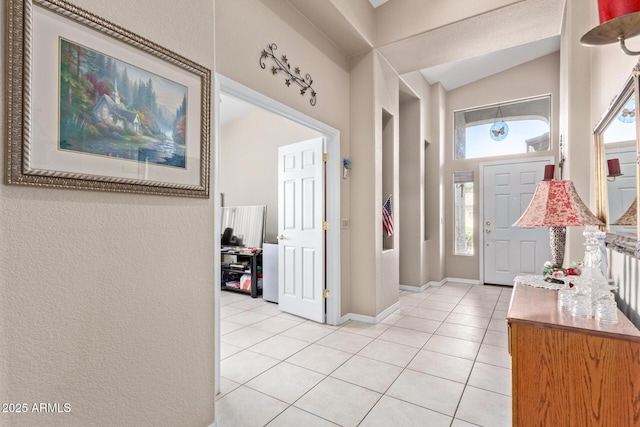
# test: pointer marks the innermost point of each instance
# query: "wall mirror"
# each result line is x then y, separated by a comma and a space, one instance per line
616, 169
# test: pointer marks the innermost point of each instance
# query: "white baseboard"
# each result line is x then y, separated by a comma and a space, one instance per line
414, 288
466, 281
370, 319
213, 425
440, 283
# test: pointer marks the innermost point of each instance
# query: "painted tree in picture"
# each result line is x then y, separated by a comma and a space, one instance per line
114, 109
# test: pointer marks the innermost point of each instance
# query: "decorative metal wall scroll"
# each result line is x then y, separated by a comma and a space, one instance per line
282, 65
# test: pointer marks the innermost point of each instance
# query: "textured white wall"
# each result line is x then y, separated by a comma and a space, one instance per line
106, 300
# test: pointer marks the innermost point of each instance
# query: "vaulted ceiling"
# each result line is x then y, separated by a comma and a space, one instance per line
453, 42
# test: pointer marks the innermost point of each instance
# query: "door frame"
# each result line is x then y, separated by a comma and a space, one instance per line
481, 167
332, 198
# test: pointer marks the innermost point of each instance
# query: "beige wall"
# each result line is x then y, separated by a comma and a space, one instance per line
106, 299
534, 78
237, 54
249, 160
414, 137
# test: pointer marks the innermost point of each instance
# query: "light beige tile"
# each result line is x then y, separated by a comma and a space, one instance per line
249, 303
243, 366
338, 401
453, 346
244, 407
428, 313
368, 373
437, 305
365, 329
226, 327
455, 288
484, 408
276, 324
309, 332
434, 393
406, 301
279, 347
389, 352
499, 325
319, 358
492, 378
468, 320
460, 423
269, 308
295, 417
285, 382
226, 387
418, 295
247, 318
403, 310
405, 336
345, 341
226, 311
499, 339
499, 315
442, 365
473, 310
227, 350
445, 297
393, 412
246, 337
492, 355
463, 332
391, 319
418, 324
227, 298
479, 301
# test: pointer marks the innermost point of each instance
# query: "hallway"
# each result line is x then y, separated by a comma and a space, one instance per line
441, 359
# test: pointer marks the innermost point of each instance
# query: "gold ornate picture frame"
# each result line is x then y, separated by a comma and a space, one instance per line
93, 106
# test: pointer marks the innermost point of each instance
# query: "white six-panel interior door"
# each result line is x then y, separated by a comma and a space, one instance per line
300, 231
507, 189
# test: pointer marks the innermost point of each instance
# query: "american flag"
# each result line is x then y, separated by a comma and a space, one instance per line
387, 217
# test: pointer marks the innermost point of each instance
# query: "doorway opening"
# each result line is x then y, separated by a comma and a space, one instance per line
332, 202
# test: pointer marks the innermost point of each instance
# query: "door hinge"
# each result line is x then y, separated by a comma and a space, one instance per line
325, 293
325, 157
325, 225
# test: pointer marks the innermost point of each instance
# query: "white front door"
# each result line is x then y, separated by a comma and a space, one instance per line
300, 233
507, 189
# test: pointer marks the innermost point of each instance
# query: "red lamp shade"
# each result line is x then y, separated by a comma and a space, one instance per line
613, 165
610, 9
618, 18
556, 204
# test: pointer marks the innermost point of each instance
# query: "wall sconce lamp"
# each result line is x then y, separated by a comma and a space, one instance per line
619, 20
613, 165
346, 165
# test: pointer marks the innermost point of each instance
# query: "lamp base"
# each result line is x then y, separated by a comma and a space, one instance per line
557, 238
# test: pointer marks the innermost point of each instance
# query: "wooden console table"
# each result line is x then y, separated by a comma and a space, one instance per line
568, 371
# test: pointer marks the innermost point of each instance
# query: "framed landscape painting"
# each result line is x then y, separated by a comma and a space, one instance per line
94, 106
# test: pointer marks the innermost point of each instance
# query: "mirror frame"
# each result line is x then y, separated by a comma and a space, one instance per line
627, 245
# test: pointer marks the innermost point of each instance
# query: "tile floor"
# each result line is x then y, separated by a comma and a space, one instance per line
440, 359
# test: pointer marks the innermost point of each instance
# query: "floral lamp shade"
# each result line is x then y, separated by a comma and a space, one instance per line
630, 216
556, 204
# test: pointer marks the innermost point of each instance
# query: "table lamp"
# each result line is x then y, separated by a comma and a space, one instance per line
630, 216
556, 204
